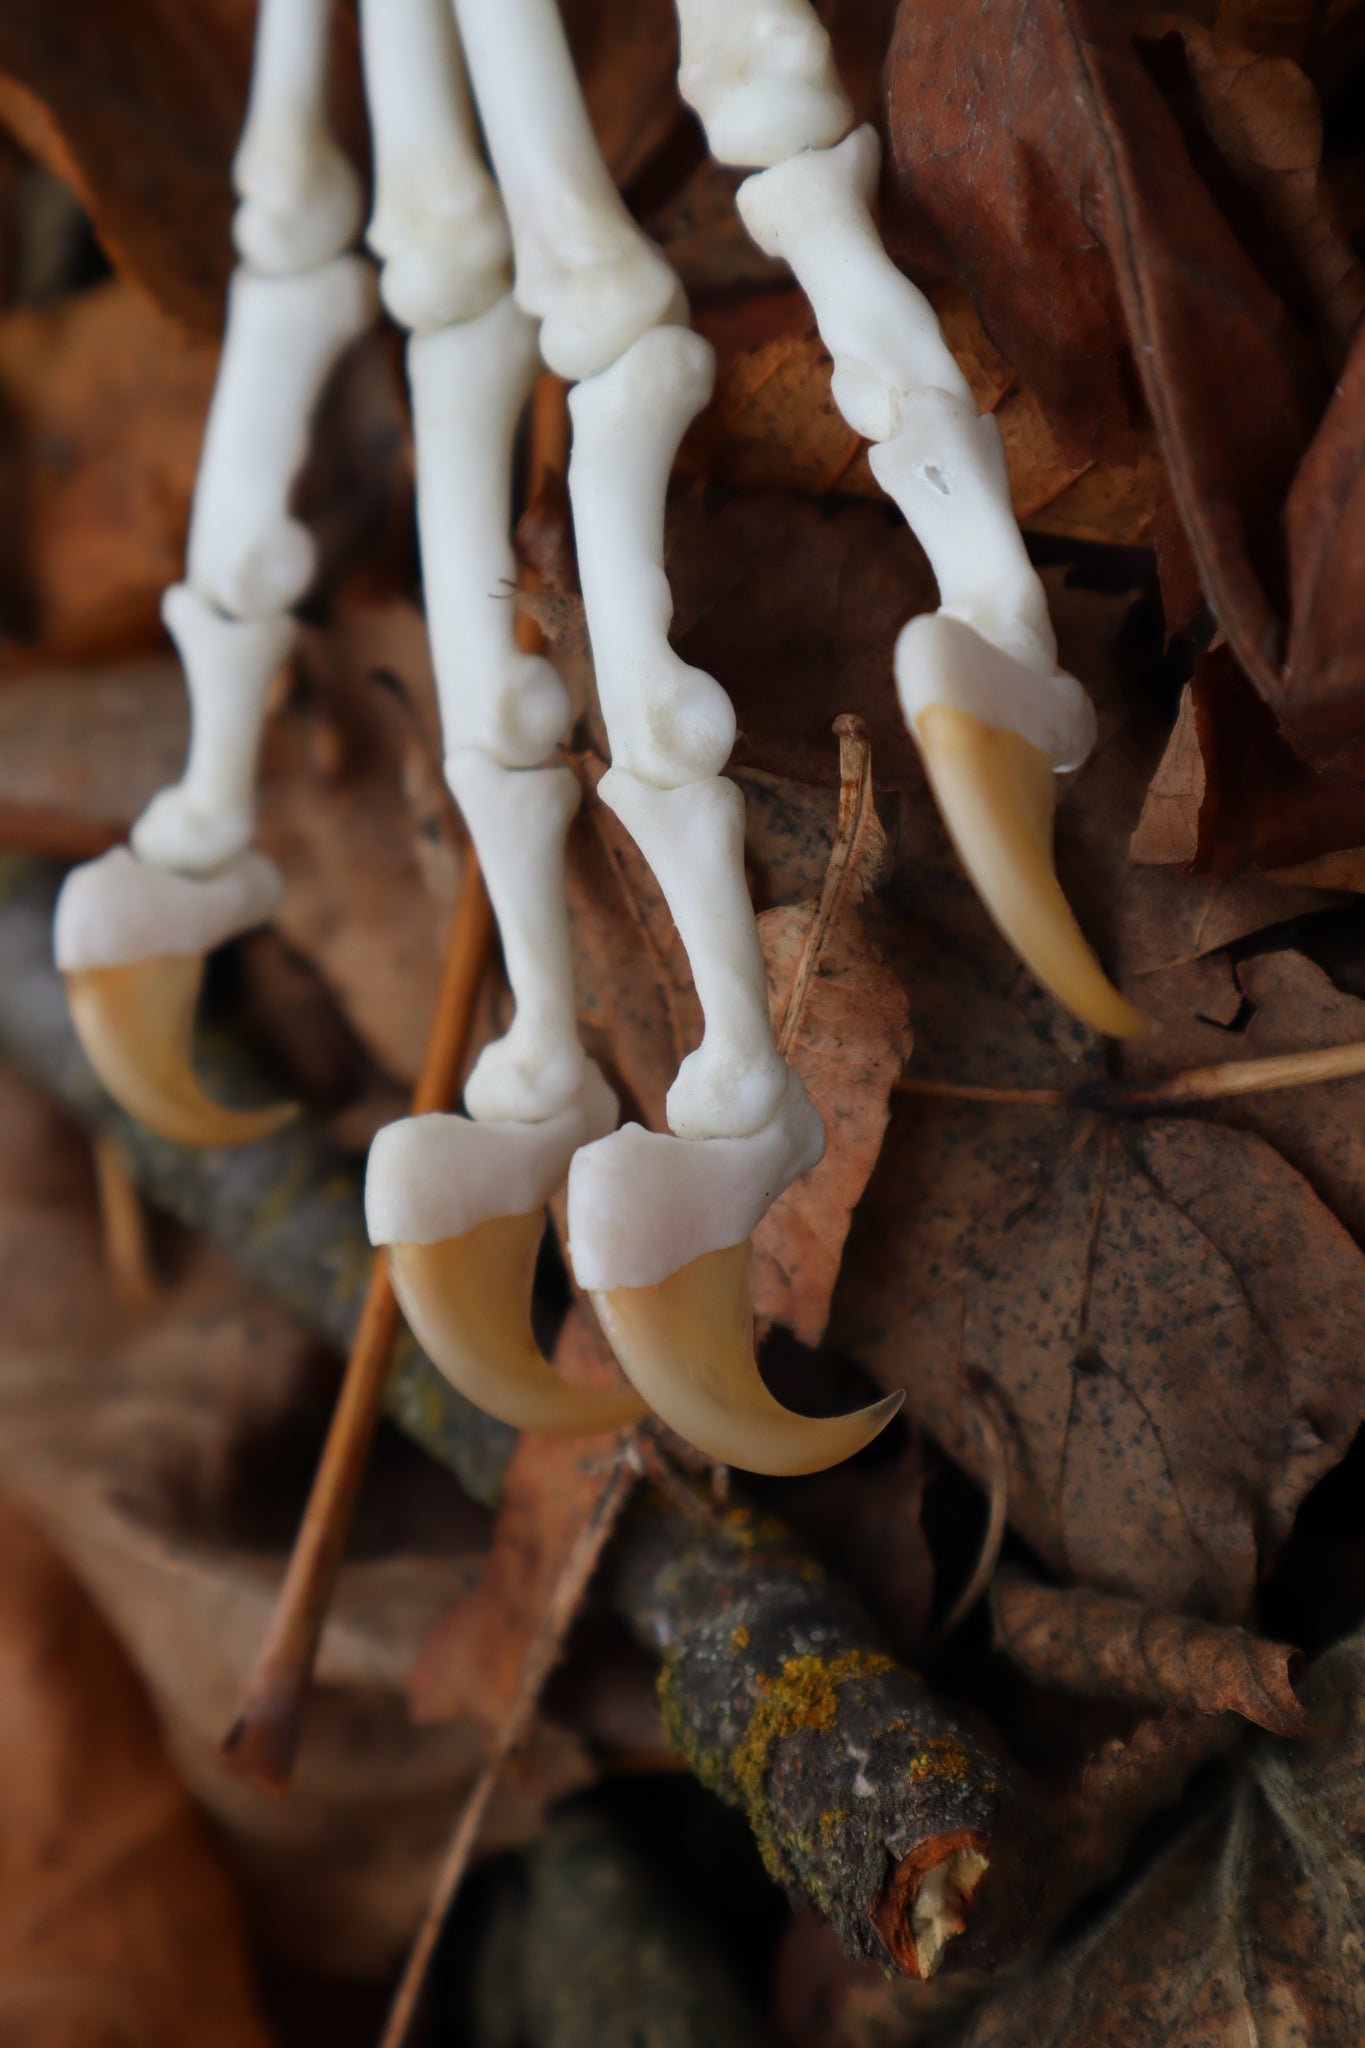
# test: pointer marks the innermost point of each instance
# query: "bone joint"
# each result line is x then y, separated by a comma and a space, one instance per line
761, 79
583, 267
438, 222
300, 196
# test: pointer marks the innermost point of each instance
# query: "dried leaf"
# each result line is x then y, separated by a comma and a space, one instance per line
119, 1923
1108, 1648
105, 407
1245, 1929
562, 1496
166, 1454
840, 1018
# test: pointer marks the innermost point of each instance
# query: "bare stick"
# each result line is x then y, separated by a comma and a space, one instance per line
1195, 1084
127, 1253
540, 1660
263, 1741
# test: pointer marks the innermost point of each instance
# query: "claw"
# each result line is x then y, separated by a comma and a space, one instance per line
136, 1024
687, 1344
460, 1206
130, 940
468, 1303
995, 790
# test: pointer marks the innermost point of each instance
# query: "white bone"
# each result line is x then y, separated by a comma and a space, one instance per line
247, 554
115, 910
206, 817
582, 265
761, 78
429, 1178
437, 221
468, 387
641, 1205
301, 199
693, 840
814, 212
667, 723
942, 660
518, 819
946, 470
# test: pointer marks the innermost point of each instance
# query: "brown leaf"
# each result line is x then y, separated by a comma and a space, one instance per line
1094, 249
1244, 1929
840, 1018
118, 1922
167, 1453
105, 407
1108, 1648
561, 1494
1165, 1310
1326, 528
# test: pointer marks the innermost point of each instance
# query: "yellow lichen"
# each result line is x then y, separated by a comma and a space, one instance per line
739, 1639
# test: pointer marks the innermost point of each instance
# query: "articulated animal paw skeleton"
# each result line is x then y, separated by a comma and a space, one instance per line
492, 279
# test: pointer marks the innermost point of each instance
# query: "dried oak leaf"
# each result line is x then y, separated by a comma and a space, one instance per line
1165, 1310
1111, 1648
119, 1925
1246, 1928
166, 1452
1100, 258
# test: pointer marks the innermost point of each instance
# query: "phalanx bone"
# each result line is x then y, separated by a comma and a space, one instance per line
541, 261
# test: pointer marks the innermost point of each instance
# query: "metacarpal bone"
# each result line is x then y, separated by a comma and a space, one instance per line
761, 78
469, 383
437, 222
202, 820
667, 723
693, 839
814, 211
518, 819
247, 553
582, 265
301, 198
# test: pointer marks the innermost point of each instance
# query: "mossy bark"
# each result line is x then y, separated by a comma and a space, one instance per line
866, 1796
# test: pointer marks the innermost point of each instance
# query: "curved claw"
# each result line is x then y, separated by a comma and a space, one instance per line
136, 1024
996, 794
687, 1343
468, 1302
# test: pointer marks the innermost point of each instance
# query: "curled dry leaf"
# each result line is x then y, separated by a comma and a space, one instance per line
119, 1924
1109, 1648
1246, 1928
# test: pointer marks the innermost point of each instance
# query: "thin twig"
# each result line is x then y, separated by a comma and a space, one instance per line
540, 1660
263, 1740
127, 1253
997, 1490
1194, 1084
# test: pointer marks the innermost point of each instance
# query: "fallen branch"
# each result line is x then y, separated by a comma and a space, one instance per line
864, 1794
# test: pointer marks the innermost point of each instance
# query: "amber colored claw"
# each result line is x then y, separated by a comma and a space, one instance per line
687, 1343
996, 793
136, 1023
468, 1302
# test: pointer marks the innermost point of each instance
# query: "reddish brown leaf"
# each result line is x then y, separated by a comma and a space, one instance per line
1108, 1648
1094, 250
118, 1922
562, 1495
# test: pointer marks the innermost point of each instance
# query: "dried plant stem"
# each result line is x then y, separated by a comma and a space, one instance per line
982, 1403
1195, 1084
263, 1740
540, 1660
127, 1253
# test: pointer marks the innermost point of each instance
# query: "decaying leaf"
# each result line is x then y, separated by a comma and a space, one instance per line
118, 1922
840, 1018
1108, 1648
1247, 1928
